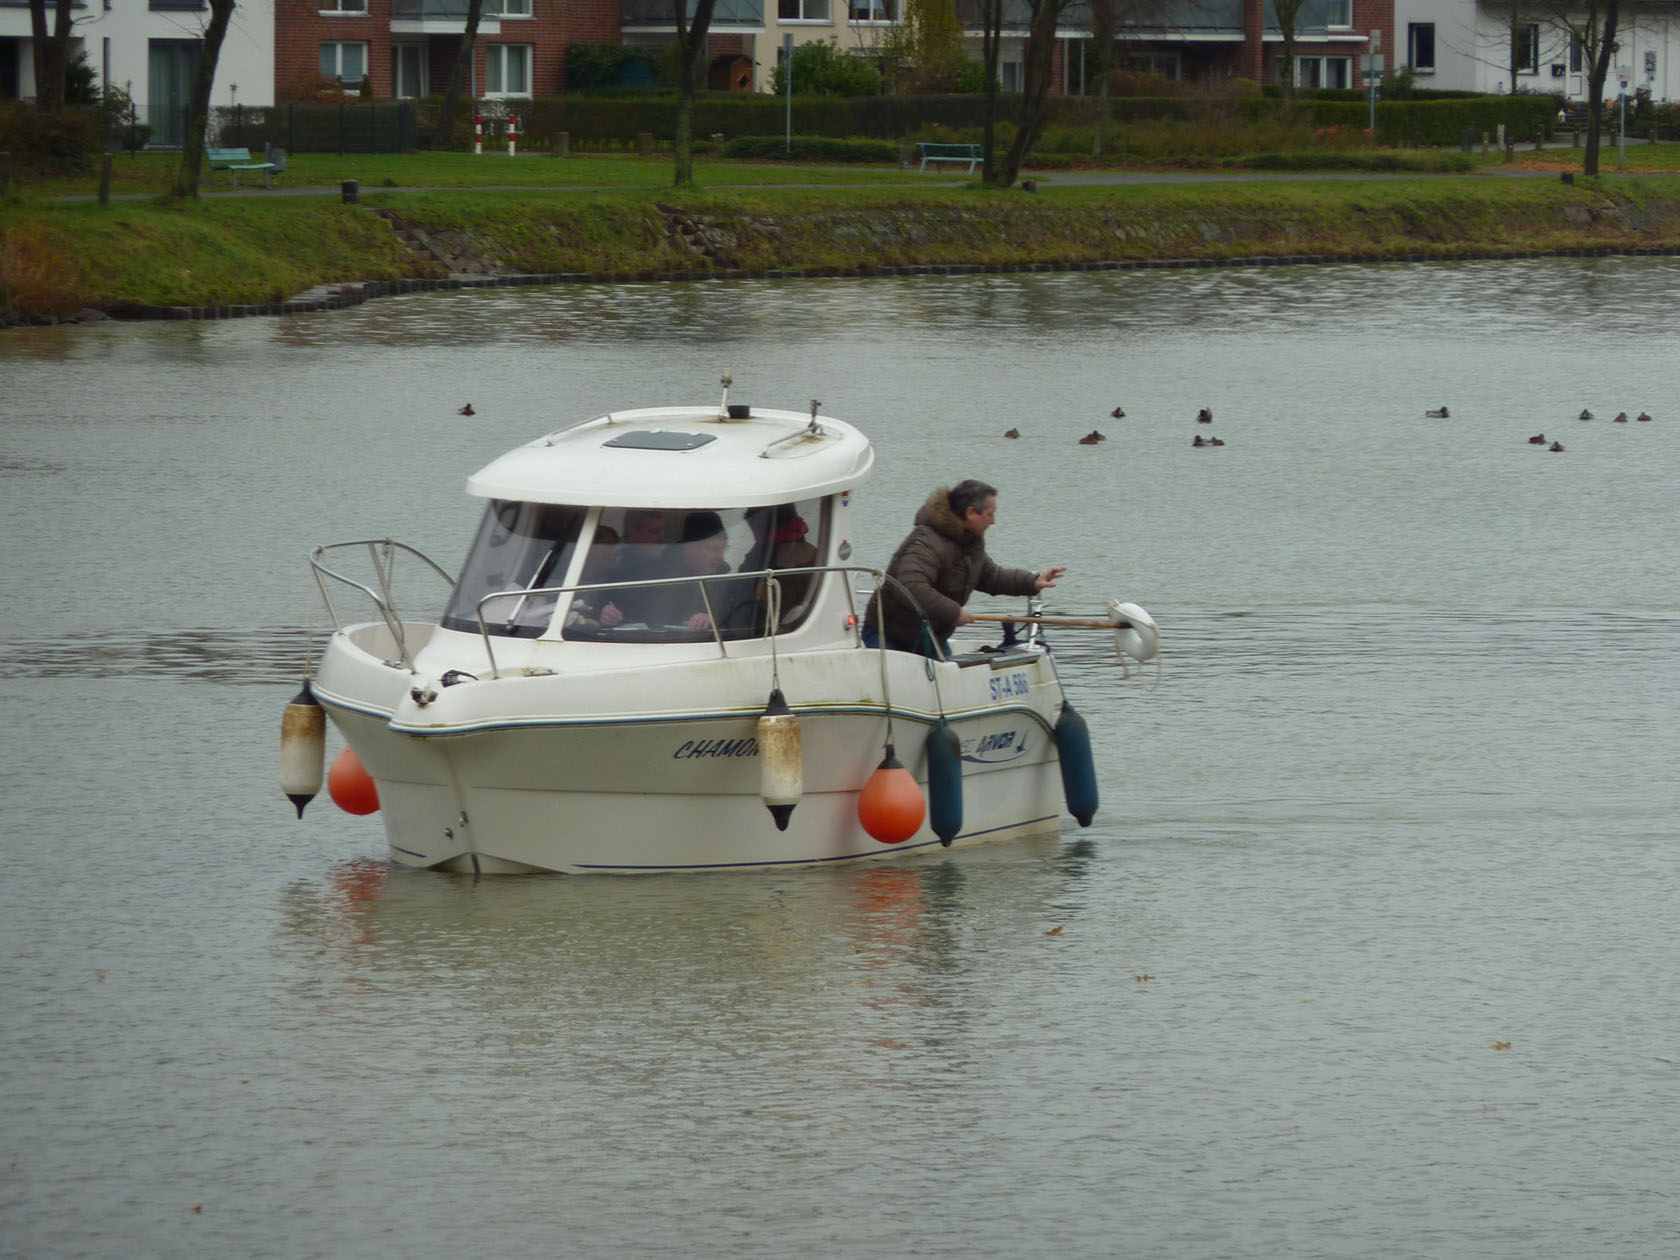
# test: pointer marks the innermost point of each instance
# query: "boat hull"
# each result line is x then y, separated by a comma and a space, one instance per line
548, 780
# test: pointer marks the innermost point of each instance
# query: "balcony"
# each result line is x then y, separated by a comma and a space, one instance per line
449, 17
1173, 19
660, 15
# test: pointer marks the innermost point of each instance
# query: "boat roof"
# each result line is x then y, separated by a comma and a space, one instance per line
681, 457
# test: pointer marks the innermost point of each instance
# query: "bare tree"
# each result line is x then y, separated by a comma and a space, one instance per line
458, 76
991, 37
1105, 29
1288, 20
198, 108
1594, 24
1036, 72
691, 46
52, 53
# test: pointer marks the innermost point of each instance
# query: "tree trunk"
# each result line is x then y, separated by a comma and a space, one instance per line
51, 53
1597, 73
457, 77
691, 44
1039, 68
991, 37
198, 109
1104, 30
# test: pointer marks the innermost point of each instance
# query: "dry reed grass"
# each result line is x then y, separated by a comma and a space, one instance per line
36, 277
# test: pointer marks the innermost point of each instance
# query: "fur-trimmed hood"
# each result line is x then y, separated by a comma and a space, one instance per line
937, 514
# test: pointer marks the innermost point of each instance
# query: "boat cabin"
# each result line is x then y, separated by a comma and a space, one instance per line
640, 574
663, 525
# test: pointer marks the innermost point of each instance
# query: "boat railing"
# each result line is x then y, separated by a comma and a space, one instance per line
382, 555
721, 631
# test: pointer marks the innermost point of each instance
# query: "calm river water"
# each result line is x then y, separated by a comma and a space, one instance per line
1370, 953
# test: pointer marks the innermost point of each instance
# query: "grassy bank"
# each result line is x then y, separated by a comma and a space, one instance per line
58, 258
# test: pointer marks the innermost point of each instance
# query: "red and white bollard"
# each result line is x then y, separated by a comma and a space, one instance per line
478, 135
513, 128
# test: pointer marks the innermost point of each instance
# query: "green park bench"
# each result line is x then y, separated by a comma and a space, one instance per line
235, 160
937, 153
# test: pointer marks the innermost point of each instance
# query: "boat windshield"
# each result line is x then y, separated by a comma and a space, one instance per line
520, 547
695, 551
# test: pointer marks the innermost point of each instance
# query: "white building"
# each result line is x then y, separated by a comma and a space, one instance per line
1452, 44
150, 49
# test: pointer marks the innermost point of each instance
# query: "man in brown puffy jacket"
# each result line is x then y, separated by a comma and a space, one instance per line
941, 564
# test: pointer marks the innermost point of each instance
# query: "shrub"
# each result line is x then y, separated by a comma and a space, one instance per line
821, 69
598, 67
46, 143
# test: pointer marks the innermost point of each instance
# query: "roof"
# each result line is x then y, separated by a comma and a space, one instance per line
680, 457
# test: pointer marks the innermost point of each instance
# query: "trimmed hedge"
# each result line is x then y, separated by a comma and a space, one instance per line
595, 122
811, 149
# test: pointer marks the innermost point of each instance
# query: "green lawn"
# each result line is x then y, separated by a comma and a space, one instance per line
154, 173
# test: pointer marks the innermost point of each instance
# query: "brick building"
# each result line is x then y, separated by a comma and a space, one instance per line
407, 48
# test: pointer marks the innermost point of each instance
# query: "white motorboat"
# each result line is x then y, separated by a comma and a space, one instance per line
651, 660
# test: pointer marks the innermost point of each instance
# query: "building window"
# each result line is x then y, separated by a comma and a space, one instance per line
1318, 72
1009, 74
1163, 65
1420, 46
507, 69
1313, 15
802, 10
408, 64
358, 7
1574, 52
874, 10
345, 62
515, 8
1527, 59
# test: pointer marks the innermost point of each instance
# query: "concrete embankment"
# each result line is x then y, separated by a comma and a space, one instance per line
413, 240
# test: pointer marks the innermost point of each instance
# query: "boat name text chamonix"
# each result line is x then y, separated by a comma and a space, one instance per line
717, 748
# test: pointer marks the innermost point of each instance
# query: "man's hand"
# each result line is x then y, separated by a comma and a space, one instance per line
1049, 576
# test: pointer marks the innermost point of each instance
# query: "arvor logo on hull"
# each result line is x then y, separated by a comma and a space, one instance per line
992, 749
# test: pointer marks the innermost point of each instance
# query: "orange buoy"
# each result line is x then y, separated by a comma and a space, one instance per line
350, 785
891, 806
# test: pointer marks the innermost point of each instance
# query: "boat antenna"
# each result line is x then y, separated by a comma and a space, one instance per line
815, 406
728, 380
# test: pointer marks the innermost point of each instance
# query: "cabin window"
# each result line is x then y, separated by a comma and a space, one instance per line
710, 565
521, 549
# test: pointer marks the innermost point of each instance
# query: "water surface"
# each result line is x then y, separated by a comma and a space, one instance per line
1368, 953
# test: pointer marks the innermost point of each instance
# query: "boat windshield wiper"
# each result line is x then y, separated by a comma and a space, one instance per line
537, 579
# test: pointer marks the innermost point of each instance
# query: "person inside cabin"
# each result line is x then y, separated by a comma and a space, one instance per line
602, 562
941, 563
639, 557
699, 552
791, 549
